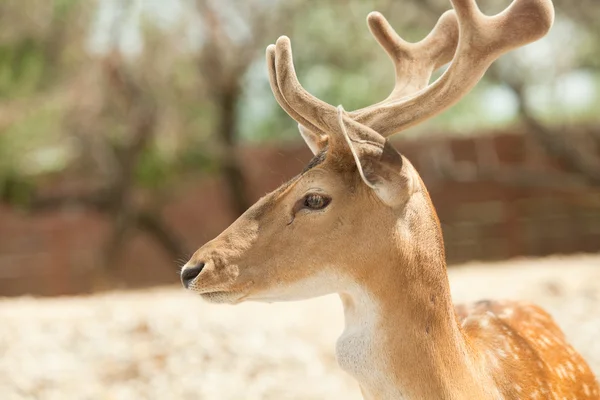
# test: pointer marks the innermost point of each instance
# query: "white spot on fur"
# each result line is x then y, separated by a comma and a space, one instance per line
518, 388
506, 313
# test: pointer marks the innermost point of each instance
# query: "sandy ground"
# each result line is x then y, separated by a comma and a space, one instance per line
167, 344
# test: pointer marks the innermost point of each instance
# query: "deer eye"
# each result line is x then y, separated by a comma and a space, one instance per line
316, 201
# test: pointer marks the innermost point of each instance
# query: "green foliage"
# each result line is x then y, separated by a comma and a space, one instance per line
335, 57
39, 130
194, 158
152, 170
62, 8
22, 67
15, 189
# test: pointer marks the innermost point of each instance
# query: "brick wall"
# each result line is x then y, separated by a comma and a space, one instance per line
56, 253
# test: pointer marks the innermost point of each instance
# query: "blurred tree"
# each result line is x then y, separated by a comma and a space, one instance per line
580, 154
98, 115
235, 33
574, 141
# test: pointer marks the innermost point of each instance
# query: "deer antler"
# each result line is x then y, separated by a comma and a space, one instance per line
279, 96
414, 63
482, 39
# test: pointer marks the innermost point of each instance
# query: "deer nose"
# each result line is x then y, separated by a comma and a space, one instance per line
188, 274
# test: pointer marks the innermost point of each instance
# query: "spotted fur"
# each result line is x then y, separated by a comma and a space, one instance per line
526, 352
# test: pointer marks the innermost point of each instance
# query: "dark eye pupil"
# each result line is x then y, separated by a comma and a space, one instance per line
314, 201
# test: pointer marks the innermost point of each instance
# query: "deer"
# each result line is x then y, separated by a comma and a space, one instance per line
358, 221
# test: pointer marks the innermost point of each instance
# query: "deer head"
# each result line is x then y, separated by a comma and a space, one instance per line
359, 205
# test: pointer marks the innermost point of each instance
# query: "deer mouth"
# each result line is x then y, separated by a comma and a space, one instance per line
223, 297
224, 292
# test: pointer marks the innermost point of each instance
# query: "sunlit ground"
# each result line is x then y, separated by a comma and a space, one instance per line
167, 344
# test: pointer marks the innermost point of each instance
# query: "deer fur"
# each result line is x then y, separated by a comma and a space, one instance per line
377, 243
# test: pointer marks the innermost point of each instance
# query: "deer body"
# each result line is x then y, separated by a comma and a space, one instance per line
358, 221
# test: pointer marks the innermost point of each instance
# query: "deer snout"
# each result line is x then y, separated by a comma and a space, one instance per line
191, 272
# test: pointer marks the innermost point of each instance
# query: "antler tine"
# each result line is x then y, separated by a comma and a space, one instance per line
482, 40
414, 62
279, 96
320, 114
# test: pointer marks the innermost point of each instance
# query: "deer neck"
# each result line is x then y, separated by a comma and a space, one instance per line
401, 338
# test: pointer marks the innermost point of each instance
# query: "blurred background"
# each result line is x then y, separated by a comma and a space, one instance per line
131, 132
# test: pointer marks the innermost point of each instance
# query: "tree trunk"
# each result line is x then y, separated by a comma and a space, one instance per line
230, 166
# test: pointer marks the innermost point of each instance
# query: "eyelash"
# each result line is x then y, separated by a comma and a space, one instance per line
324, 201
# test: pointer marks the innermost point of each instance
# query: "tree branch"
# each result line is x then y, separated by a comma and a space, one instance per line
94, 201
552, 140
146, 221
158, 229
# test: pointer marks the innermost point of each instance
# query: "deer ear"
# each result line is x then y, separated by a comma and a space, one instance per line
315, 142
377, 161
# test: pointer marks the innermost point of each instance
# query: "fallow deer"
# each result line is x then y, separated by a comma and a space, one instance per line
358, 221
